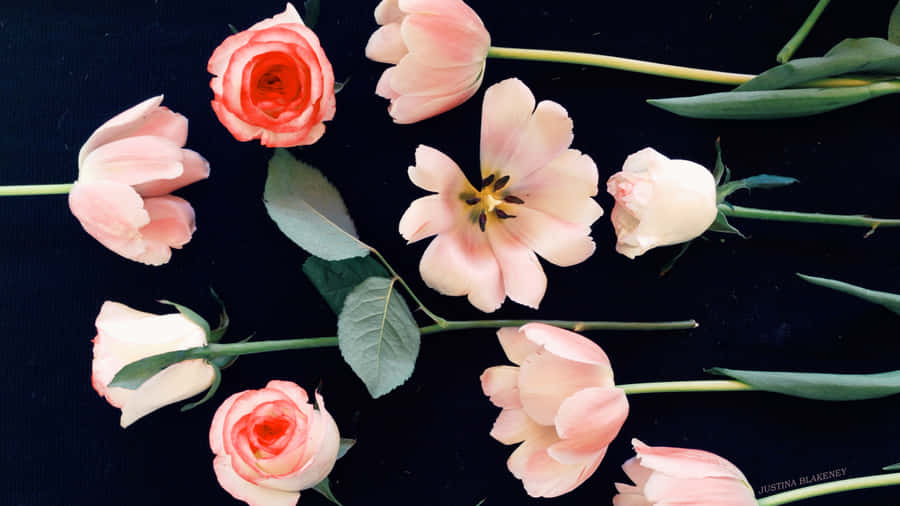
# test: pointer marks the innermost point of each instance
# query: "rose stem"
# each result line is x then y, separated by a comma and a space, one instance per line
35, 189
788, 50
878, 480
645, 67
853, 220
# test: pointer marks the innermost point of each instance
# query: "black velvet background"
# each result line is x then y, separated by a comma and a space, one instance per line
67, 67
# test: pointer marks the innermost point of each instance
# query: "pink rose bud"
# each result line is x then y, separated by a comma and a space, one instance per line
124, 336
560, 402
660, 202
270, 444
680, 476
273, 83
126, 171
438, 49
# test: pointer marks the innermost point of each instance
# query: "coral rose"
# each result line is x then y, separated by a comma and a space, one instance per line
560, 402
270, 444
126, 170
680, 476
534, 197
125, 335
438, 48
273, 83
660, 202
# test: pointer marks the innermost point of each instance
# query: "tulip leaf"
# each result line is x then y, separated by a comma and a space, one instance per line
894, 25
309, 210
772, 104
850, 55
136, 373
763, 181
217, 380
889, 300
378, 336
335, 279
324, 488
721, 225
818, 386
191, 315
346, 444
894, 467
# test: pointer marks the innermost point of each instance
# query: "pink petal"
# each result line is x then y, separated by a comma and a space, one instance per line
636, 472
444, 41
523, 277
171, 221
546, 381
415, 76
387, 11
567, 344
428, 216
685, 463
293, 391
563, 189
383, 88
112, 213
630, 500
587, 422
195, 168
541, 474
410, 109
501, 384
456, 9
505, 112
243, 490
218, 62
516, 346
133, 160
290, 15
546, 136
240, 129
386, 44
217, 428
164, 123
120, 126
559, 242
434, 171
643, 160
514, 426
461, 262
665, 489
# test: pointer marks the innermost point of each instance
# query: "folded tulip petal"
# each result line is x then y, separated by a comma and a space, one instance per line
685, 463
428, 216
636, 472
514, 426
501, 384
166, 124
241, 489
623, 499
388, 11
546, 380
386, 44
408, 109
195, 167
383, 88
587, 422
112, 213
133, 160
516, 346
414, 76
462, 263
546, 136
444, 41
172, 384
434, 171
544, 476
568, 345
120, 126
171, 221
559, 242
563, 189
665, 489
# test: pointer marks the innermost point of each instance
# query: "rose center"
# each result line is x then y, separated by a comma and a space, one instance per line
494, 200
275, 83
270, 430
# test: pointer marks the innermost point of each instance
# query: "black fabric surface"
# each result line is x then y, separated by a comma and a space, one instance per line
67, 67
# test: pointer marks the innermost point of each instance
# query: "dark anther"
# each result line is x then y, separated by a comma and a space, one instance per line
501, 183
482, 220
502, 215
512, 199
488, 180
472, 201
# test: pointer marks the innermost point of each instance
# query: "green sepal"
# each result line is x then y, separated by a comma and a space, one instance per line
232, 28
217, 380
891, 301
191, 315
336, 278
818, 386
719, 171
481, 502
311, 10
894, 25
894, 467
339, 85
345, 445
136, 373
226, 361
217, 333
671, 263
763, 181
324, 488
721, 225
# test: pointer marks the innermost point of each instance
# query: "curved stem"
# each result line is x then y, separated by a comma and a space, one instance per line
441, 322
686, 386
35, 189
652, 68
788, 50
853, 220
878, 480
572, 325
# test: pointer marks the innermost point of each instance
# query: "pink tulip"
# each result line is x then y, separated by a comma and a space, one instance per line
438, 49
126, 170
561, 403
534, 198
680, 476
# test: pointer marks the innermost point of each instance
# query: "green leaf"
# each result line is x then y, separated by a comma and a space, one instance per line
721, 225
818, 386
324, 488
763, 181
889, 300
309, 210
216, 334
720, 165
850, 55
136, 373
226, 361
335, 279
346, 444
311, 9
895, 467
894, 25
190, 315
378, 335
772, 104
217, 380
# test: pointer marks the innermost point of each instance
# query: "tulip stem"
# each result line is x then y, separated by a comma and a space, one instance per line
788, 50
645, 67
878, 480
35, 189
853, 220
685, 386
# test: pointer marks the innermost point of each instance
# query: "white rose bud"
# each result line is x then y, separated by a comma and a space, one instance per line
660, 202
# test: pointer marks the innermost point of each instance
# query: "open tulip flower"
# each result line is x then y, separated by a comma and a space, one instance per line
534, 197
126, 170
681, 476
438, 49
559, 401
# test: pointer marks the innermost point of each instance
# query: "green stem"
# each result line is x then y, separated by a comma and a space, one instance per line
686, 386
852, 220
442, 322
878, 480
35, 189
788, 50
645, 67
